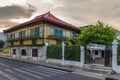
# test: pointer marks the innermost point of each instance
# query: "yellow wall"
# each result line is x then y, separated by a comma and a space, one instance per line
39, 41
27, 42
47, 30
68, 34
16, 43
9, 44
50, 41
46, 33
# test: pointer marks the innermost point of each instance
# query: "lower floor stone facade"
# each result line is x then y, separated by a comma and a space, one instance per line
29, 52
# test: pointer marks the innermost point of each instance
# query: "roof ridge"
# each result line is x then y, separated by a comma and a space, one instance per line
59, 20
39, 16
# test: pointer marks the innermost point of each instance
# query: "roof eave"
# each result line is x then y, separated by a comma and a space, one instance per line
66, 26
18, 26
44, 19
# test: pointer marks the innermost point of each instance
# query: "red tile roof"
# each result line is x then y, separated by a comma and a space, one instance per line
47, 17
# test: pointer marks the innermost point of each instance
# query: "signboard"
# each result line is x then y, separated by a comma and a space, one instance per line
92, 46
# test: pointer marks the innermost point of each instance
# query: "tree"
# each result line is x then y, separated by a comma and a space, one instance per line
1, 43
99, 34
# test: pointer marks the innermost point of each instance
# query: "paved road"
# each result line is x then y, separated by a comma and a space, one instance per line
16, 70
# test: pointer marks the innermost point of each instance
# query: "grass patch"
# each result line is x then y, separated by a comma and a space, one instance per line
4, 50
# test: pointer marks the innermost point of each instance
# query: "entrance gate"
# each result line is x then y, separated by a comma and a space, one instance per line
100, 53
108, 56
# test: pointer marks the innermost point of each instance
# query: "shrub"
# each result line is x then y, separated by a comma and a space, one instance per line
1, 43
6, 50
54, 51
71, 52
56, 37
1, 49
87, 56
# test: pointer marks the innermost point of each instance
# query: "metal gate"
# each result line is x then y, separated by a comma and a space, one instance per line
108, 56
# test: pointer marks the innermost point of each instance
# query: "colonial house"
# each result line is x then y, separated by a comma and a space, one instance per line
29, 39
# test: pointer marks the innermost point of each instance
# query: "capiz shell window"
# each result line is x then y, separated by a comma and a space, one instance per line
41, 31
72, 35
58, 32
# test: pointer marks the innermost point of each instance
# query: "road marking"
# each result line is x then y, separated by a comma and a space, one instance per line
8, 70
35, 72
52, 70
28, 73
7, 76
46, 72
4, 65
19, 75
56, 72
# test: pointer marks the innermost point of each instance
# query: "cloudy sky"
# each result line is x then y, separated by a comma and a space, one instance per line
76, 12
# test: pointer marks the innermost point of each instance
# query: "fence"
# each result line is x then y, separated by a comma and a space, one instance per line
118, 55
66, 55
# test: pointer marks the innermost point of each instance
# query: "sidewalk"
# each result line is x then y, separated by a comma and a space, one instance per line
75, 70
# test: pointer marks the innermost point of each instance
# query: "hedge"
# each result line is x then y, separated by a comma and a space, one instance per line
118, 55
87, 57
71, 52
1, 49
54, 51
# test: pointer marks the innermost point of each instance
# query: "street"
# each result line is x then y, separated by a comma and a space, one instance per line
16, 70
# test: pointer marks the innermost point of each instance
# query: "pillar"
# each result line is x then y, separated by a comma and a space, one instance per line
45, 52
63, 50
82, 59
114, 55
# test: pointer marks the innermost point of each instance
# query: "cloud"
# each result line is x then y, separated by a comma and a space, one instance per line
7, 13
82, 12
15, 11
12, 2
76, 12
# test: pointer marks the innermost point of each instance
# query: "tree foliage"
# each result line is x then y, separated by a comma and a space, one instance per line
1, 43
99, 34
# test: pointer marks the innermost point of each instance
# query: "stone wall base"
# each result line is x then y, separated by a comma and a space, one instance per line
41, 52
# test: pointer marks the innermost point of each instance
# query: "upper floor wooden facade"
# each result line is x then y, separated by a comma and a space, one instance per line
40, 32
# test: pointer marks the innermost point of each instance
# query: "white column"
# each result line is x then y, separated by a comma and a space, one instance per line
29, 53
82, 59
45, 52
10, 52
63, 50
114, 55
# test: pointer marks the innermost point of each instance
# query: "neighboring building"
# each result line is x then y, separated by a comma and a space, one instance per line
2, 36
29, 38
118, 34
